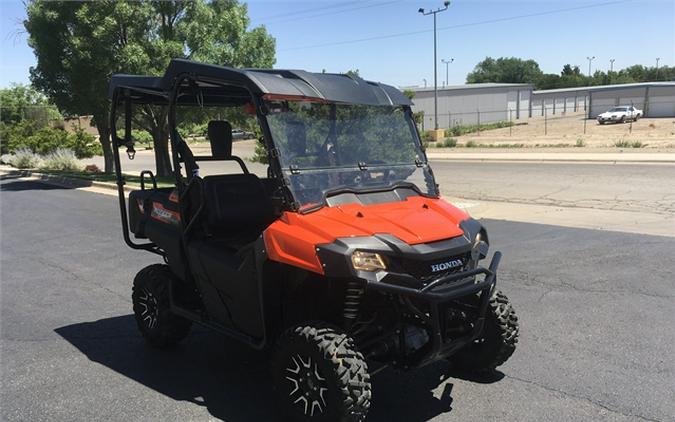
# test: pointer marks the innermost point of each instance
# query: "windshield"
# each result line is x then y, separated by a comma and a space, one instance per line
326, 147
619, 109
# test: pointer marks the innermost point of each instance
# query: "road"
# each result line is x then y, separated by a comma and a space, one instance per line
597, 313
627, 197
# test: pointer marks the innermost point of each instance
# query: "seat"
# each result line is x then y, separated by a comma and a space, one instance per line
236, 211
237, 208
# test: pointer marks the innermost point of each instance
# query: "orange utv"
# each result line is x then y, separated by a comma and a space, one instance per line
341, 259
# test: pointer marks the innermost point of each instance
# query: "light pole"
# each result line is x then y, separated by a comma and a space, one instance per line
590, 59
447, 62
425, 82
611, 65
426, 13
657, 67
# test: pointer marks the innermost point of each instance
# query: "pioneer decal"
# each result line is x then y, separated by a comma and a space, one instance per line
160, 213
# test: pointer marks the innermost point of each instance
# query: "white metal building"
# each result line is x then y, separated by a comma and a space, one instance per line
657, 99
473, 103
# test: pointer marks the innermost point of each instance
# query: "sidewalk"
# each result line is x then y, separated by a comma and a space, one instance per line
620, 156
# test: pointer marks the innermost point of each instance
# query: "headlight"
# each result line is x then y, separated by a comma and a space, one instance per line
367, 261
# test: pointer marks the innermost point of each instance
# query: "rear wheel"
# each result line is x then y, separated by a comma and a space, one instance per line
152, 307
320, 376
497, 342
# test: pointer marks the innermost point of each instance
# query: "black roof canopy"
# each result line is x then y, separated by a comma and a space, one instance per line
210, 78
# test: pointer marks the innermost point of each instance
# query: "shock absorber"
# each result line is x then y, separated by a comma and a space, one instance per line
353, 295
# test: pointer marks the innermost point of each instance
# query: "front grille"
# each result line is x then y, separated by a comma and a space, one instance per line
427, 270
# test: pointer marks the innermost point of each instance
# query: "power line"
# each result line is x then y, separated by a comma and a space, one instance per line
332, 12
463, 25
301, 12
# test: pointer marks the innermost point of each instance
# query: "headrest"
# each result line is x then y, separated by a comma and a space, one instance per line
220, 137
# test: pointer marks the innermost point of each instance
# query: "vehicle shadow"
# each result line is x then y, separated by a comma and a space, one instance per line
233, 382
229, 379
419, 395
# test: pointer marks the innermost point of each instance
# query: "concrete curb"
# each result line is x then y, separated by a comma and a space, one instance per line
540, 158
549, 160
63, 181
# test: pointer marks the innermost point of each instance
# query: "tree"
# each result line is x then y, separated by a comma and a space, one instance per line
505, 70
569, 70
79, 45
514, 70
21, 102
353, 73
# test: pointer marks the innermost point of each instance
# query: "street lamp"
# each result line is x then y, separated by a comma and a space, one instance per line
611, 65
425, 82
447, 62
426, 13
590, 59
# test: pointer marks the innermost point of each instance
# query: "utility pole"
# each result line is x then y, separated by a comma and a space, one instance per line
426, 13
590, 59
611, 65
447, 62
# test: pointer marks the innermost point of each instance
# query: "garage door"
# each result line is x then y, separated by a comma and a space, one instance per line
661, 107
601, 105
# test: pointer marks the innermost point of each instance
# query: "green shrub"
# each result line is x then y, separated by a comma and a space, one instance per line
260, 154
447, 143
140, 137
472, 144
61, 159
24, 158
83, 144
500, 145
460, 130
48, 140
425, 137
13, 136
629, 144
580, 143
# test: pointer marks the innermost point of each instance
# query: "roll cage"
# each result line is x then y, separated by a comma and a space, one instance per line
188, 83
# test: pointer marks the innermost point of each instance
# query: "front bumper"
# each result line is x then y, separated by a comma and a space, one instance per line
434, 295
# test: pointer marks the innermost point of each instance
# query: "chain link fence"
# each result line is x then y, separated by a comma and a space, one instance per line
553, 120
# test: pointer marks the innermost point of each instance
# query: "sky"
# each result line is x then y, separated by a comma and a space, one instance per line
389, 41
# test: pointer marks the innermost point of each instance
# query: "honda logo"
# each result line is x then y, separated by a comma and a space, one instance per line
444, 266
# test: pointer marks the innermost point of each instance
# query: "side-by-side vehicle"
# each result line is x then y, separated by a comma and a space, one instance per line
341, 260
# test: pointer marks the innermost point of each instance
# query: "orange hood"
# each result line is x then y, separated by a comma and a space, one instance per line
293, 238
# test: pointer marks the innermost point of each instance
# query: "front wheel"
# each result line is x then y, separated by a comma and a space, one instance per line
497, 342
152, 307
320, 375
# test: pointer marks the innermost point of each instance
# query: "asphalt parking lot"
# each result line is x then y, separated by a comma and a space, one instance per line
597, 315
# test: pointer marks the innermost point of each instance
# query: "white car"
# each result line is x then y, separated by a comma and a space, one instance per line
620, 114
